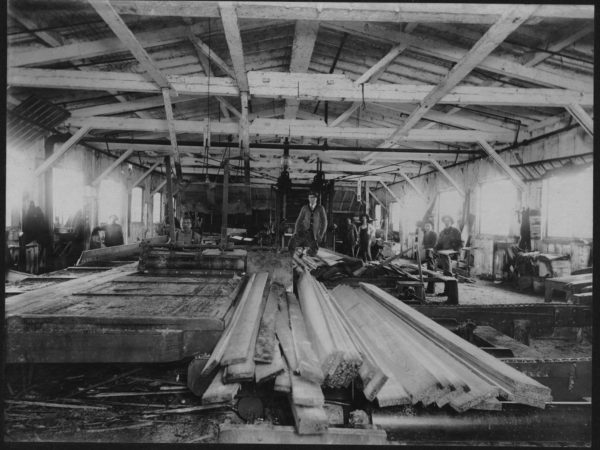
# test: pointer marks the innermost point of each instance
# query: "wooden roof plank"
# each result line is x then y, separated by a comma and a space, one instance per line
120, 28
493, 37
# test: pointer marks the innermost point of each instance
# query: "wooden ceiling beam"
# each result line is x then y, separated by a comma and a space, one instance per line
362, 12
493, 37
452, 181
51, 160
120, 28
533, 59
334, 87
201, 47
305, 35
514, 176
47, 37
146, 173
282, 127
440, 48
112, 167
234, 43
371, 75
583, 118
128, 106
107, 46
412, 184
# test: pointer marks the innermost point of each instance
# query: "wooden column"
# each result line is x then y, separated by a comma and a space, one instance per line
225, 211
170, 199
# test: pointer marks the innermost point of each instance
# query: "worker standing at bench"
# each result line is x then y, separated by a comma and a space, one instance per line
186, 235
429, 243
310, 228
448, 245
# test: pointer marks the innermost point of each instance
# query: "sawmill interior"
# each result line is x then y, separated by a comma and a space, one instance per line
385, 209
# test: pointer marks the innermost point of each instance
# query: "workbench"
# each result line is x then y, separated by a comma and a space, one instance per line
573, 284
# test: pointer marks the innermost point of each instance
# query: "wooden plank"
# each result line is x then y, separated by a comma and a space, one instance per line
120, 28
211, 54
494, 36
267, 371
283, 381
497, 339
309, 419
308, 363
85, 127
532, 59
218, 352
53, 294
240, 344
287, 435
218, 392
112, 167
266, 342
316, 325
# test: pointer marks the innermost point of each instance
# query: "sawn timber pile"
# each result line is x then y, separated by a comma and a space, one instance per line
427, 363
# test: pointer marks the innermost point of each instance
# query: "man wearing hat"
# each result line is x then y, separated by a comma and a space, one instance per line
449, 241
310, 228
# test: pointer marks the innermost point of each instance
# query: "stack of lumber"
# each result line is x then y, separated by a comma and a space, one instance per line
235, 352
266, 340
337, 354
423, 361
328, 265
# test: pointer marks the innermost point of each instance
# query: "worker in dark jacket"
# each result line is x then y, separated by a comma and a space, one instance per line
449, 241
113, 233
429, 243
350, 237
310, 228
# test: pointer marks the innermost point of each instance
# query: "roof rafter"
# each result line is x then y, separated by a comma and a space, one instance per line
305, 35
493, 37
120, 28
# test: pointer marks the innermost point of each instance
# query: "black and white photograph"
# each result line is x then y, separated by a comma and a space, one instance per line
385, 209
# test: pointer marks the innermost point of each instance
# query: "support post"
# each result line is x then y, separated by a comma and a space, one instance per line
225, 211
170, 199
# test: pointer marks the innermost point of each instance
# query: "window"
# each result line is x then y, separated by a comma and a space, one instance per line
414, 209
449, 203
156, 207
567, 204
67, 185
395, 215
136, 204
110, 200
498, 201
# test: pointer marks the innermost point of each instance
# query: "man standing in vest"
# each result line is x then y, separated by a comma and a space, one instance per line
310, 226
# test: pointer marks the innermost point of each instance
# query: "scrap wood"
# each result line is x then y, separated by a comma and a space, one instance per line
135, 394
124, 427
242, 340
190, 409
53, 405
219, 350
102, 383
309, 419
